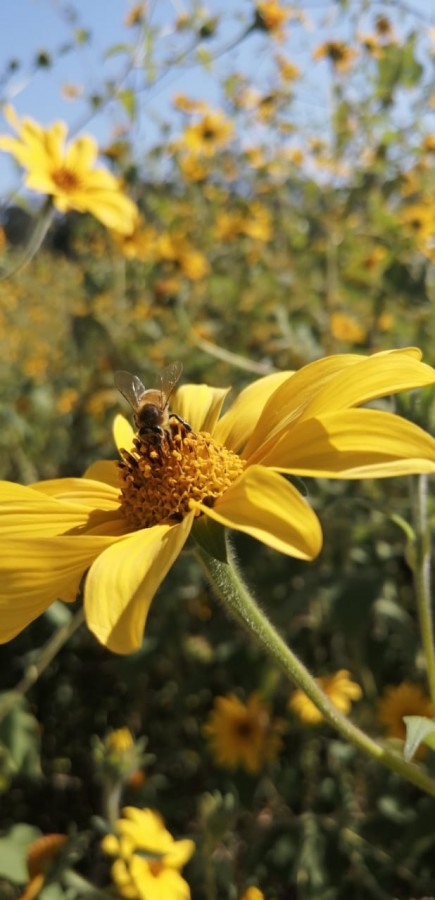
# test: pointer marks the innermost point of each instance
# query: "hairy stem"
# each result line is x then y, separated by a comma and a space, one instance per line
229, 586
421, 566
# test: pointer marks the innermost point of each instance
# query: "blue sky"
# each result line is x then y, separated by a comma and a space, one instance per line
31, 26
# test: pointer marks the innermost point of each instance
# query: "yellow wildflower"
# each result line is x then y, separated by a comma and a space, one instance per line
405, 699
177, 248
148, 859
339, 54
345, 328
68, 174
187, 105
288, 70
271, 17
211, 133
252, 893
135, 15
139, 244
340, 689
243, 734
124, 524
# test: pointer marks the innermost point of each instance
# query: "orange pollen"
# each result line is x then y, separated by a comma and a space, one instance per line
65, 179
166, 471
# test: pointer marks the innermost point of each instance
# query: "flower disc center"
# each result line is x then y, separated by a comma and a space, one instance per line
165, 472
65, 179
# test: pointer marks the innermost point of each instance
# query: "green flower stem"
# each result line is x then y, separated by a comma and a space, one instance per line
228, 585
421, 564
47, 654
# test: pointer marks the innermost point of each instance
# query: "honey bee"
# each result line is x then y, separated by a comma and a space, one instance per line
151, 405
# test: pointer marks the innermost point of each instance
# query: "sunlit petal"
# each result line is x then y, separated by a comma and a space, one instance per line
199, 405
123, 433
344, 380
376, 376
27, 512
36, 571
81, 154
94, 493
236, 424
123, 580
263, 504
355, 443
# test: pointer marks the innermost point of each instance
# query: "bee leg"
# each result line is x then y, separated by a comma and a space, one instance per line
182, 422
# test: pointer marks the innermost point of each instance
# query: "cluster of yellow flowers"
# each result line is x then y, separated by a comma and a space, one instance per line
148, 860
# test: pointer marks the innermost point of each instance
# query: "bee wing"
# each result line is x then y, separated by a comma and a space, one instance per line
130, 387
168, 379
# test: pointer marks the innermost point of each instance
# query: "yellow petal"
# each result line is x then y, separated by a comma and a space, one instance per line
377, 376
54, 139
105, 470
81, 155
122, 433
122, 582
199, 405
236, 425
355, 443
263, 504
91, 492
291, 401
36, 571
11, 117
26, 512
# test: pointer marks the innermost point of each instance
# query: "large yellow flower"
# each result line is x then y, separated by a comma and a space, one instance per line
243, 734
68, 174
148, 858
125, 524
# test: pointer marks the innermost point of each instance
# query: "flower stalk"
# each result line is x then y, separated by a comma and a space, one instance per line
420, 561
45, 657
236, 598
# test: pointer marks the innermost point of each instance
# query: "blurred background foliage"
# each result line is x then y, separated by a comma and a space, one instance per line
261, 245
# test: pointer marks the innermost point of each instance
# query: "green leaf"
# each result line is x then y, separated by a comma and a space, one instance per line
128, 100
418, 730
117, 49
19, 738
13, 849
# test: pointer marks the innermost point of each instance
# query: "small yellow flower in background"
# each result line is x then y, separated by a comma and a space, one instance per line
212, 132
125, 523
252, 893
428, 143
270, 16
243, 734
149, 860
176, 248
120, 740
193, 168
140, 243
340, 689
187, 105
135, 15
345, 328
339, 54
405, 699
287, 69
68, 174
